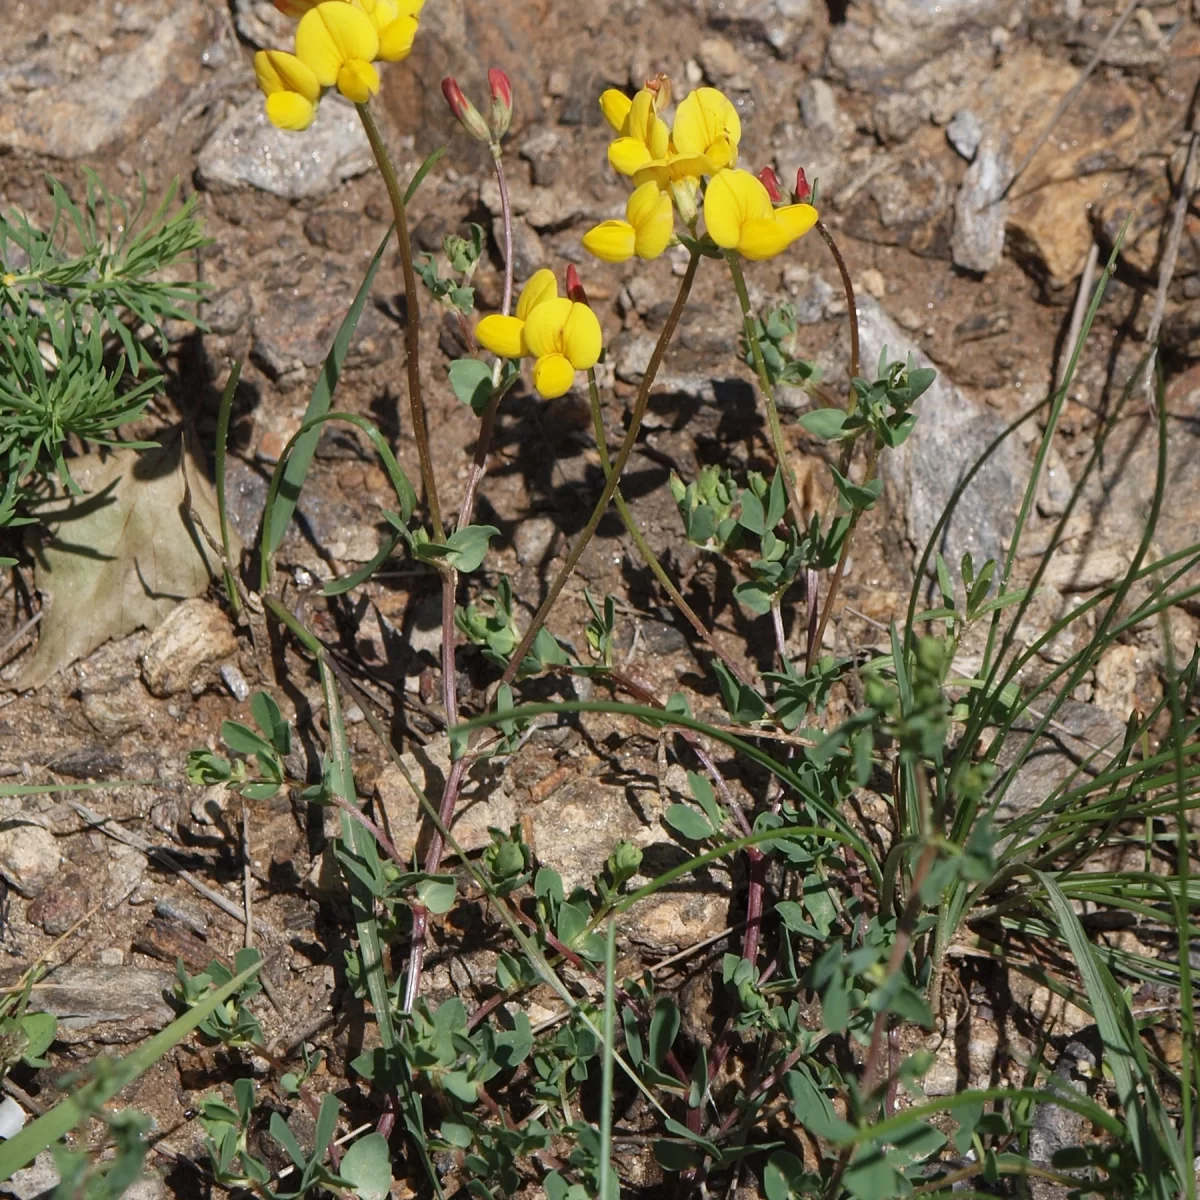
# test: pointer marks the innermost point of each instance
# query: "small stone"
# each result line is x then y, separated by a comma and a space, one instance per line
209, 807
112, 956
980, 215
226, 311
720, 59
246, 150
195, 636
778, 23
819, 107
672, 922
811, 293
35, 1181
261, 24
336, 229
965, 132
533, 540
111, 1005
896, 117
29, 857
116, 709
235, 681
126, 870
1084, 570
61, 905
871, 281
1116, 681
543, 150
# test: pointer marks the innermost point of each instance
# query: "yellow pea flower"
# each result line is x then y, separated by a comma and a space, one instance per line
339, 43
707, 124
646, 231
739, 216
291, 88
561, 335
395, 22
642, 135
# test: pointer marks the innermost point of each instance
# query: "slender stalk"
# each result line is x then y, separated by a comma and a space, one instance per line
635, 424
506, 215
607, 1190
412, 318
766, 387
643, 547
851, 308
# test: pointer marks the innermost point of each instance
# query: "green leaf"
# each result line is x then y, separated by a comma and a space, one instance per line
39, 1029
471, 379
858, 497
241, 739
755, 596
664, 1028
870, 1176
782, 1176
702, 790
689, 822
466, 548
792, 915
824, 423
812, 1108
298, 464
367, 1167
436, 892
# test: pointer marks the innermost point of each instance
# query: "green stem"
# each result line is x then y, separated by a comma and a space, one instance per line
223, 414
635, 423
643, 547
412, 316
766, 387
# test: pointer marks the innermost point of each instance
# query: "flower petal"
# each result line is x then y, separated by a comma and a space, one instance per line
277, 71
628, 154
542, 286
501, 335
332, 34
612, 241
723, 215
615, 106
582, 339
704, 118
653, 218
358, 80
544, 327
764, 237
396, 40
796, 219
553, 376
290, 110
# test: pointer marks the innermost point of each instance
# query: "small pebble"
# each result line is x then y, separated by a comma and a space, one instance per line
872, 282
112, 956
965, 132
235, 681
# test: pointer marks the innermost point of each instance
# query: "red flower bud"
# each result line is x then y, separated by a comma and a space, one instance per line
770, 181
465, 113
803, 191
574, 287
502, 102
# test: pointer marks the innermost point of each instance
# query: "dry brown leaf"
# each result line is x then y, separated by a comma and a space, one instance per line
121, 556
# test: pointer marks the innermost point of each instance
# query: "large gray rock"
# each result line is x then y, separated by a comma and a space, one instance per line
98, 80
248, 151
951, 434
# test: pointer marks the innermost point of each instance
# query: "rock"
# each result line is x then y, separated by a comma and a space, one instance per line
34, 1182
544, 208
246, 150
979, 212
260, 24
481, 802
873, 283
60, 905
533, 540
819, 107
811, 293
101, 79
87, 762
112, 1005
335, 229
293, 333
778, 23
1055, 1127
951, 433
126, 869
1116, 681
226, 311
29, 856
1081, 571
965, 132
528, 252
120, 707
1080, 732
194, 637
721, 61
898, 115
235, 681
208, 808
673, 921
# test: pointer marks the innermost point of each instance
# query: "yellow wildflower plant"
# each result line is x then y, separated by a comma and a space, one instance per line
336, 45
642, 135
739, 216
561, 335
708, 126
646, 231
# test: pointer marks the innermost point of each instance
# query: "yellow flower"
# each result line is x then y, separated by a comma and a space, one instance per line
561, 335
707, 124
642, 135
646, 231
739, 216
339, 43
396, 23
291, 88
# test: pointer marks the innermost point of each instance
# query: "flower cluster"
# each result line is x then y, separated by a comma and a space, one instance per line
668, 166
337, 45
561, 334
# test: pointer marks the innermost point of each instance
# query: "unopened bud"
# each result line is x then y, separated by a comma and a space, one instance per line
770, 181
465, 113
502, 102
660, 86
803, 191
574, 287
